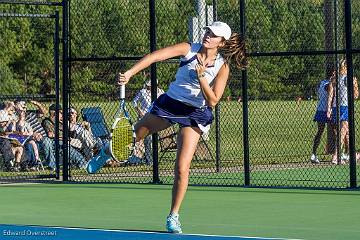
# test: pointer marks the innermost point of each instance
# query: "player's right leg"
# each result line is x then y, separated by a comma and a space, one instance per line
150, 124
147, 125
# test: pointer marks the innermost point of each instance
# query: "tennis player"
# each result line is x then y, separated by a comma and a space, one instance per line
199, 85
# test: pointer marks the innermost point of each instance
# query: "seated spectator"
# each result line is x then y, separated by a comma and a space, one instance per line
9, 107
31, 148
81, 136
12, 153
48, 142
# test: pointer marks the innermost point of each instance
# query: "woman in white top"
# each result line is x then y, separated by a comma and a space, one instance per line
199, 85
343, 102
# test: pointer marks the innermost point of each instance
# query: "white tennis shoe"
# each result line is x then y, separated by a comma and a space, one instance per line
173, 224
314, 159
345, 157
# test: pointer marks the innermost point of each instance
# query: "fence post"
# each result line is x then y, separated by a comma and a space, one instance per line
214, 4
350, 83
57, 91
245, 103
217, 114
65, 89
329, 19
153, 74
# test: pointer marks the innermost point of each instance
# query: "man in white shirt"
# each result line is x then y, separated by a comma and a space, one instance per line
142, 104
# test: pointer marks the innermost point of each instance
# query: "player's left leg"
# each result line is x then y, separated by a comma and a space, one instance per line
187, 140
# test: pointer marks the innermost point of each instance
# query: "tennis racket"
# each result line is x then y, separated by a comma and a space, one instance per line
122, 132
122, 140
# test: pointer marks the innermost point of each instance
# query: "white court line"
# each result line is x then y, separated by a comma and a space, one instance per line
148, 232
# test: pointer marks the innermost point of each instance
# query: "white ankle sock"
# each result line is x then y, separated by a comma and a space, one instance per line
174, 215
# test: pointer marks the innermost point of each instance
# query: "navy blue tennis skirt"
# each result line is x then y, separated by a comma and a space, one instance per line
185, 115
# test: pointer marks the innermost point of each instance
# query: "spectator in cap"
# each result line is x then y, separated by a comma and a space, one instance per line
48, 124
81, 136
52, 107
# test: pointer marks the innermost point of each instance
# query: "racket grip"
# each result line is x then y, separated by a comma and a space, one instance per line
122, 91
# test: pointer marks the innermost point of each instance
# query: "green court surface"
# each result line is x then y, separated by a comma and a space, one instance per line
268, 213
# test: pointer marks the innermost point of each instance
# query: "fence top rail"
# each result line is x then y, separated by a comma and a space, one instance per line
30, 3
27, 15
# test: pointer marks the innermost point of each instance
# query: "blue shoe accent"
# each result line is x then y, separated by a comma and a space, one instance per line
173, 224
97, 162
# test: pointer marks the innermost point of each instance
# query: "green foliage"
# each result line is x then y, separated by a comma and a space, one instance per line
26, 51
105, 28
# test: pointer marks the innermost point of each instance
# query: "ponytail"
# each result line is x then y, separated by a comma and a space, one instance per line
234, 51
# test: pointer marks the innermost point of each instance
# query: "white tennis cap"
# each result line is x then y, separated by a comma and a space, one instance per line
220, 29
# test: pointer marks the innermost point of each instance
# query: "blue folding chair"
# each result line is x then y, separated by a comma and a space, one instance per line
95, 117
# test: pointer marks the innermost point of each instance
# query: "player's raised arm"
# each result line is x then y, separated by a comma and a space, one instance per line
159, 55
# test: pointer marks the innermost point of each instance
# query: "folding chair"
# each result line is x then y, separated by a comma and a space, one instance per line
95, 117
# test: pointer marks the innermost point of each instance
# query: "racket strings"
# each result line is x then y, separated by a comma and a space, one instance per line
122, 139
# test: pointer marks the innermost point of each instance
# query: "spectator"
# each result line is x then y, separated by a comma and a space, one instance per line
81, 135
341, 84
30, 126
9, 107
31, 148
142, 104
12, 154
48, 142
320, 117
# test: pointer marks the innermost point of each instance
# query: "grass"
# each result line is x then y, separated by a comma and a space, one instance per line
277, 129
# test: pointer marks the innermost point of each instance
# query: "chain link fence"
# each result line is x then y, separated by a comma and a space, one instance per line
28, 71
293, 45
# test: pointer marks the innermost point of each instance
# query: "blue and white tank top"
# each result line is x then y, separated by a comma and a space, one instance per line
343, 92
323, 95
186, 87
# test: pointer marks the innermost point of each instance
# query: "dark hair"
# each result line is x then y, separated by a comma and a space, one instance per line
234, 51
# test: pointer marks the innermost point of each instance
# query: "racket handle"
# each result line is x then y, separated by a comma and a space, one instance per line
122, 91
